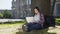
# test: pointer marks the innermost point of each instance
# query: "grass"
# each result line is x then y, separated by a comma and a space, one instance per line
12, 24
43, 31
57, 21
15, 24
10, 27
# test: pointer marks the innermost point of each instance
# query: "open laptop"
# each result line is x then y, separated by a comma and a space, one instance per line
29, 19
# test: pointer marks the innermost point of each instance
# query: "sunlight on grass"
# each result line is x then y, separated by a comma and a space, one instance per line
42, 31
11, 25
57, 20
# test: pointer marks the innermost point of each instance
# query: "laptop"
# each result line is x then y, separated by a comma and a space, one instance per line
29, 19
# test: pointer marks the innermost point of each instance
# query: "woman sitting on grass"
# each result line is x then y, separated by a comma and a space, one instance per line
38, 21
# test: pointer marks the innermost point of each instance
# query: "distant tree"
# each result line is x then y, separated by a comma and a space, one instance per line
1, 15
7, 14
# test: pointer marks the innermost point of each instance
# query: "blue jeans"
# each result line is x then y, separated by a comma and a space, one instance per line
33, 26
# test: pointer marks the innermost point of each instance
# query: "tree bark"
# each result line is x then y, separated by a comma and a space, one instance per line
43, 4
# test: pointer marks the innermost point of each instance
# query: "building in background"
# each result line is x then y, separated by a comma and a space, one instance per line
21, 8
57, 9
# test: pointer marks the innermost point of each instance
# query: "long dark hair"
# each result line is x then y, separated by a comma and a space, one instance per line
39, 9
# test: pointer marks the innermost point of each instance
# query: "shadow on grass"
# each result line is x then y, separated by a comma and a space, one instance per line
43, 31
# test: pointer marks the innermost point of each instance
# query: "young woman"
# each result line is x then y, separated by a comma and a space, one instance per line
37, 22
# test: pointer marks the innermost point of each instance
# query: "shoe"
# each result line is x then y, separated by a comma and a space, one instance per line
24, 27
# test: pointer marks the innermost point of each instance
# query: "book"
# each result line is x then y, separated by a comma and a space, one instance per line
30, 19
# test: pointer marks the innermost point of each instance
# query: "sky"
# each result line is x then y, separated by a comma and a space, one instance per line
5, 4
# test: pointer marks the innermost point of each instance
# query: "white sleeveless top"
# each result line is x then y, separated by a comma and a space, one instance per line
37, 18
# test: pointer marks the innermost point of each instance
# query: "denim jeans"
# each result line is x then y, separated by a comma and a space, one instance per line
33, 26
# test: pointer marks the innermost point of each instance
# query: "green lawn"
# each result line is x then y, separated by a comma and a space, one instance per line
43, 31
57, 21
12, 24
15, 24
10, 27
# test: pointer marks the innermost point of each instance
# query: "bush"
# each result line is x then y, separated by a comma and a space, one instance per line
1, 15
7, 14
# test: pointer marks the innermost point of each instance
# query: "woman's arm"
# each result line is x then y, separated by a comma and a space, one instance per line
42, 19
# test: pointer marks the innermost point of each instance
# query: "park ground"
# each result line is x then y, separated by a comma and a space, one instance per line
12, 28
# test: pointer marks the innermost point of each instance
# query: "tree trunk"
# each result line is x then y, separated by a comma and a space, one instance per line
43, 4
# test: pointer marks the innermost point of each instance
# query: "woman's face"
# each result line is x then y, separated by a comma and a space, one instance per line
36, 11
